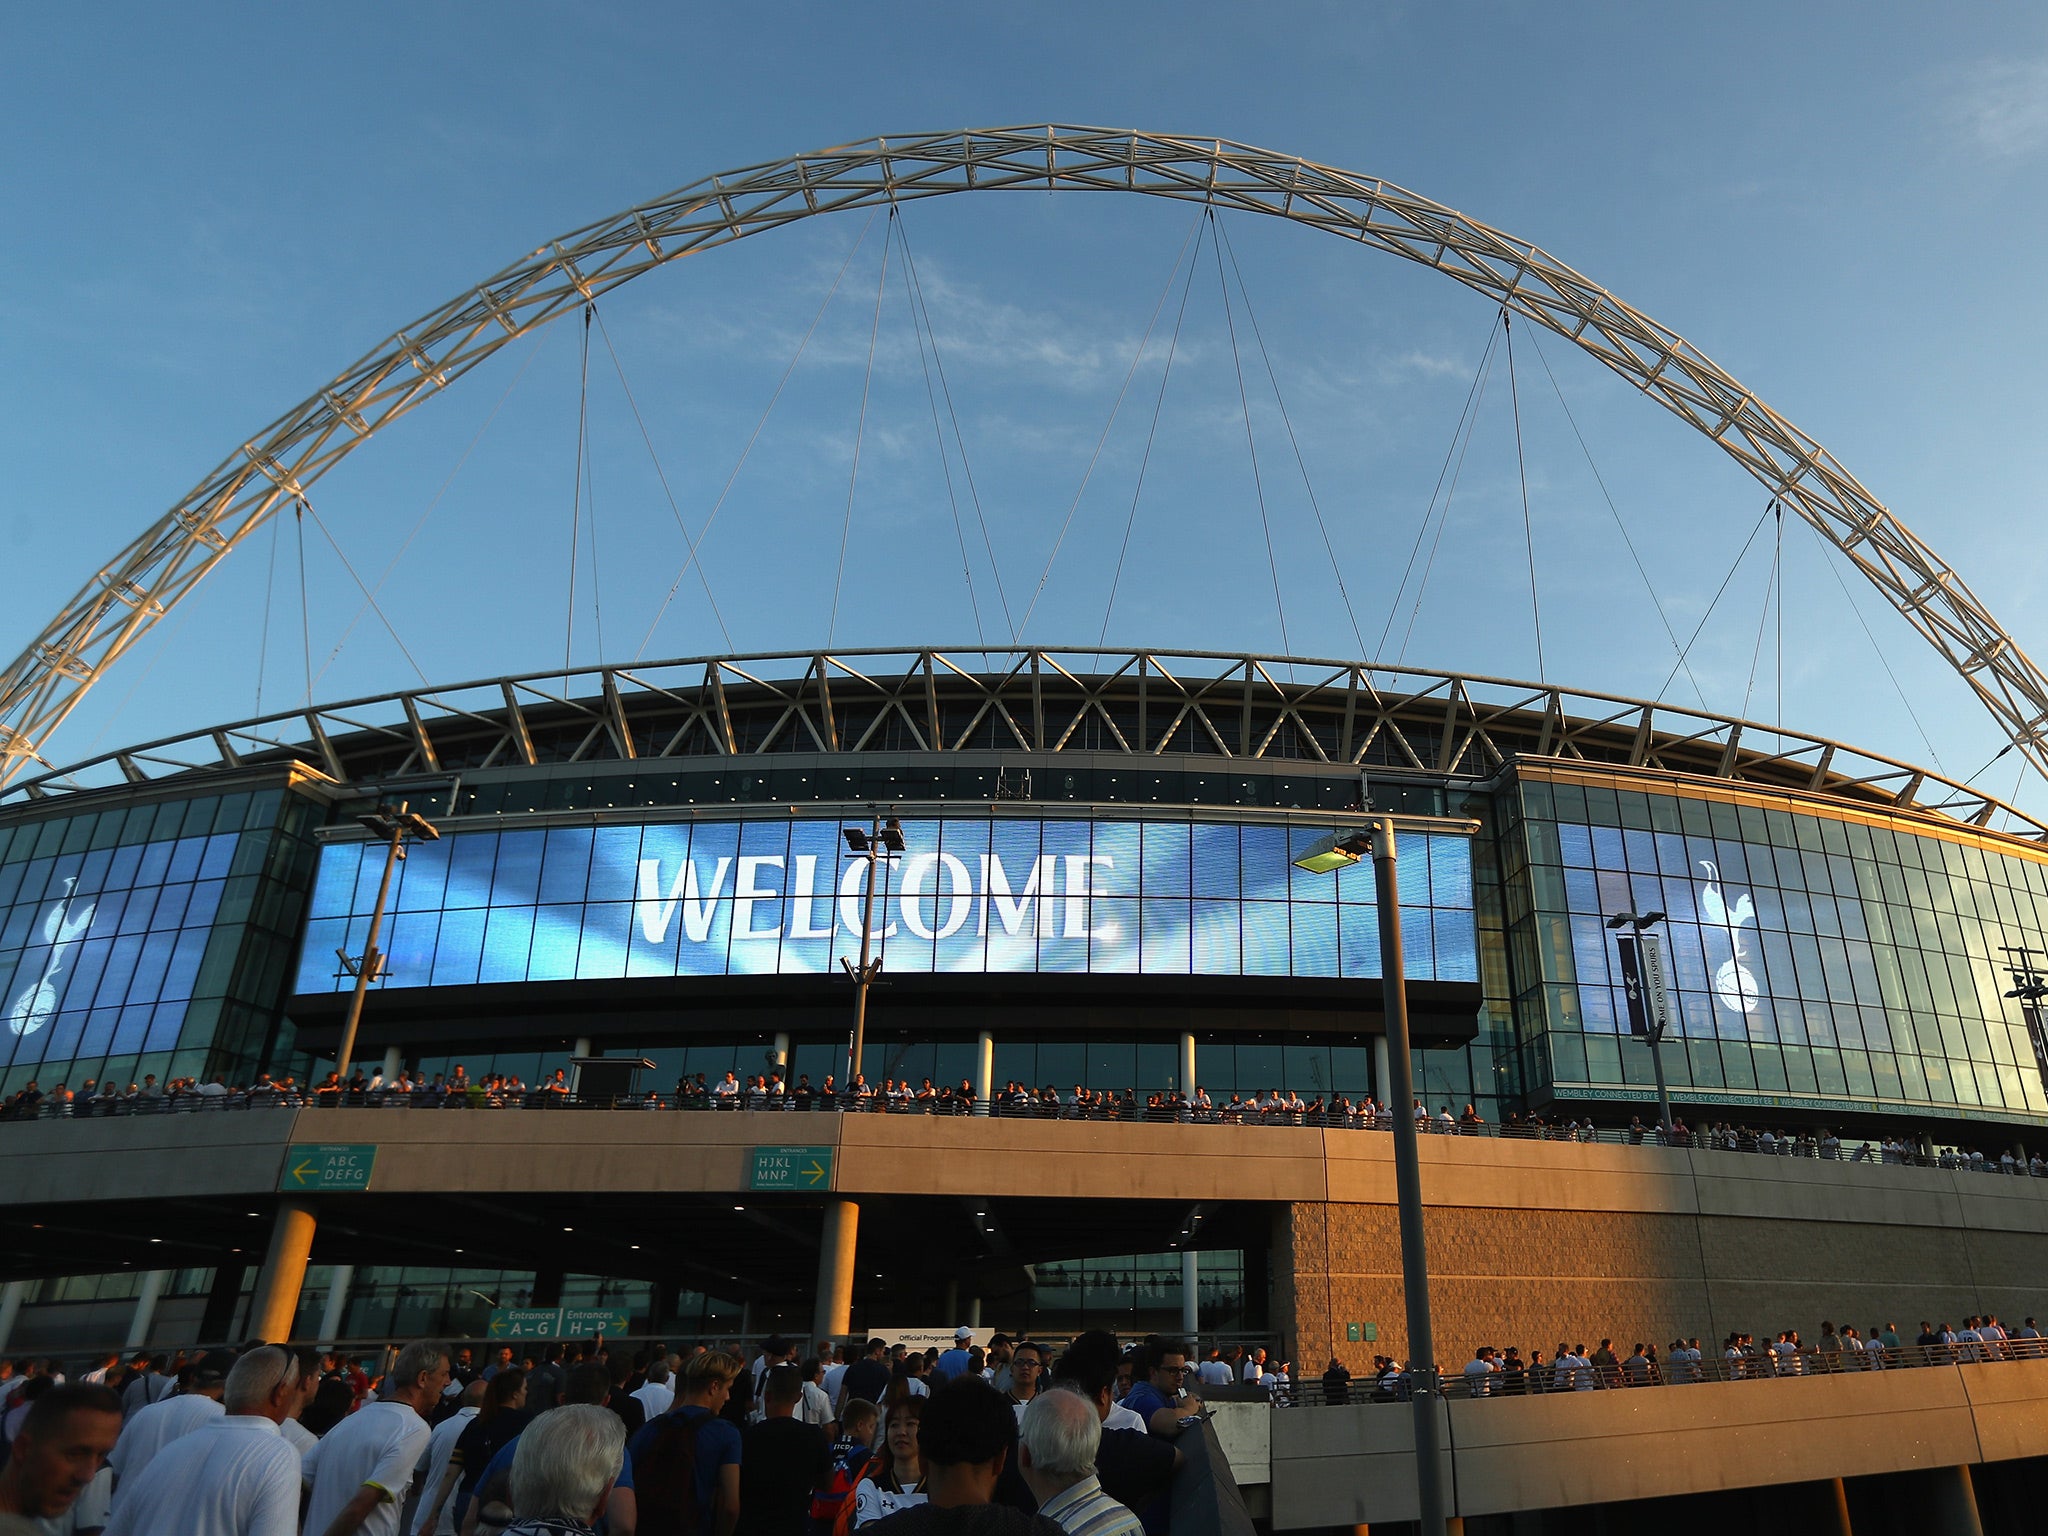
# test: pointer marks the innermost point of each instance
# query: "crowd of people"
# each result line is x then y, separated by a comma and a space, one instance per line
767, 1092
1021, 1439
1496, 1372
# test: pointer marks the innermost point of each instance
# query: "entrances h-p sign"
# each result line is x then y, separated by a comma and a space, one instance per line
327, 1169
801, 1168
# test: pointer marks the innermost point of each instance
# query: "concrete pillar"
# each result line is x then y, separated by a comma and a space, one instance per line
949, 1304
1952, 1503
1190, 1297
217, 1322
276, 1305
779, 1049
144, 1316
337, 1304
394, 1061
11, 1297
1187, 1063
746, 1320
1380, 1070
836, 1244
1835, 1499
974, 1311
984, 1073
580, 1047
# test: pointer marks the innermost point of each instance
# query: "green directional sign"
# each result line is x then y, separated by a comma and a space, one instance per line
526, 1323
327, 1169
580, 1322
799, 1168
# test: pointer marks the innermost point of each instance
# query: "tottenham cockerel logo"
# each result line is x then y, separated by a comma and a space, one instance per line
1734, 983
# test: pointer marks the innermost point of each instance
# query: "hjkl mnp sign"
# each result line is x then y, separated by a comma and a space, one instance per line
791, 1168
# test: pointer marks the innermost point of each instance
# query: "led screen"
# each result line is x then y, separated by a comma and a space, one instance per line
967, 895
100, 949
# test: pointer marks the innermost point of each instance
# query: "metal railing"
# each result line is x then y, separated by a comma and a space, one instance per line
1762, 1362
1029, 1106
1046, 1105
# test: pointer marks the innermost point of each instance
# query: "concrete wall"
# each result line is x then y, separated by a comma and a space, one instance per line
1348, 1466
1530, 1243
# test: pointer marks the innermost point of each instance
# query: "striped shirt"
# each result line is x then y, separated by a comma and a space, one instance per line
1085, 1510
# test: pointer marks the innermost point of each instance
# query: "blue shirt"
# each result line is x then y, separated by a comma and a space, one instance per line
718, 1446
954, 1362
1144, 1400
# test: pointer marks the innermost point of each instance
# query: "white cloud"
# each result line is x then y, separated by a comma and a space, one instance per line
2002, 104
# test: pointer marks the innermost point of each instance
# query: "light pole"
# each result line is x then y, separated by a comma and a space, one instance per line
884, 838
395, 823
1649, 998
1375, 839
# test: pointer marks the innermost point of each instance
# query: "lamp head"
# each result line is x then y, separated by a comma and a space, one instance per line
892, 835
1339, 850
856, 839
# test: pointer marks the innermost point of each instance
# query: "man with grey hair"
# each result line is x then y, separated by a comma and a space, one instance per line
234, 1476
1057, 1442
564, 1469
360, 1472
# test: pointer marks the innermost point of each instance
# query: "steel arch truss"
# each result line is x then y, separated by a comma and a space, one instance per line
147, 578
1220, 706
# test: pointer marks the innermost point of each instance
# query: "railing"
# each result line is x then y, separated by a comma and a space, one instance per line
1027, 1106
1758, 1363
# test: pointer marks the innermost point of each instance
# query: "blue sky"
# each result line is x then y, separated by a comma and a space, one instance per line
214, 209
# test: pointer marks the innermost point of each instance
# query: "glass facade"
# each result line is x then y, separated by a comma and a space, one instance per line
969, 895
1815, 959
150, 938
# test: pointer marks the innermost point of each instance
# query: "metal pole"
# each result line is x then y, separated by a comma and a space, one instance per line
1422, 1379
862, 976
1664, 1121
366, 970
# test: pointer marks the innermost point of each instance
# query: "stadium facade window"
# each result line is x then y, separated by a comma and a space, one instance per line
1815, 959
150, 938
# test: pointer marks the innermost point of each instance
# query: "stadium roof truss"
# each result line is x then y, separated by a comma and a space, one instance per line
1324, 714
275, 466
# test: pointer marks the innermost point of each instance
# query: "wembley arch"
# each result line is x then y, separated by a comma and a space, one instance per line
127, 595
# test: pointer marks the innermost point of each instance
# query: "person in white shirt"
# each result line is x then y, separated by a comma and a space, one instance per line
440, 1449
364, 1466
835, 1371
657, 1395
1214, 1371
1479, 1373
726, 1092
1254, 1365
234, 1476
196, 1403
813, 1404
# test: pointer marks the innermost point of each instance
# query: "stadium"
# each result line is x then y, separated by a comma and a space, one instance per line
640, 875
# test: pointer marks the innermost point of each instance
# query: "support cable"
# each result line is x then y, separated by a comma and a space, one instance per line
1507, 326
1763, 618
590, 520
305, 609
1251, 445
269, 591
1536, 341
1672, 675
953, 415
576, 494
307, 507
661, 475
1165, 288
1450, 453
945, 460
398, 558
1300, 462
1443, 520
1152, 431
860, 430
1933, 752
1778, 563
690, 560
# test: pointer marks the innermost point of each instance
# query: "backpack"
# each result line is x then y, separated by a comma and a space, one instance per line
832, 1505
665, 1477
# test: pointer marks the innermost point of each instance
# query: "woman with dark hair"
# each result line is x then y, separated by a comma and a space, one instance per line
501, 1417
895, 1476
331, 1404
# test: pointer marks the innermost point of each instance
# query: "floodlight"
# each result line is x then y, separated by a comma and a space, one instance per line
1339, 850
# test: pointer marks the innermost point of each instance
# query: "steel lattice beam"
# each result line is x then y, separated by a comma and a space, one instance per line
160, 567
